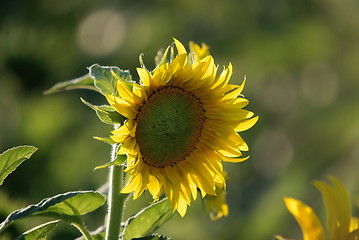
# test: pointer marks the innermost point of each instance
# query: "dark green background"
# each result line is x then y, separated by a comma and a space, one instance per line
300, 58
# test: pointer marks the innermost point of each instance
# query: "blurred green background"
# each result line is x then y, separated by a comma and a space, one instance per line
301, 60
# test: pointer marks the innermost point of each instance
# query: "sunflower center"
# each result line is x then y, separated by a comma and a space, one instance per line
168, 126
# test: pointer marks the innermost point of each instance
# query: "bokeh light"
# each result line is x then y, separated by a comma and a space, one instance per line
102, 32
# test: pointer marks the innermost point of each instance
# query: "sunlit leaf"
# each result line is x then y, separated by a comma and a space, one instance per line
106, 78
153, 237
162, 56
84, 82
106, 113
120, 159
67, 206
39, 232
12, 158
148, 220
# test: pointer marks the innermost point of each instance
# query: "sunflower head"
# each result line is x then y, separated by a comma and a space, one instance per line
182, 122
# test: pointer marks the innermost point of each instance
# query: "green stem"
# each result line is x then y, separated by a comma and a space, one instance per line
81, 227
115, 199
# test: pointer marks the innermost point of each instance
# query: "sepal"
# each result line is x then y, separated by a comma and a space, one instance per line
106, 113
105, 140
162, 57
84, 82
120, 159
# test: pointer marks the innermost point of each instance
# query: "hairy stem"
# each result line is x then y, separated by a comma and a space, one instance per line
82, 228
115, 199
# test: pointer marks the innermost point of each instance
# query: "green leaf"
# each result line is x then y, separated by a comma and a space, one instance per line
153, 237
106, 113
148, 220
106, 78
84, 82
12, 158
39, 232
120, 159
67, 206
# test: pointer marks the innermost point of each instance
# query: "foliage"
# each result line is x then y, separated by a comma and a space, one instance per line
148, 220
69, 207
12, 158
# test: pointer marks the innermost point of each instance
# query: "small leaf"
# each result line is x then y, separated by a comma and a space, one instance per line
106, 78
84, 82
106, 113
279, 237
105, 139
153, 237
39, 232
67, 206
120, 159
162, 57
148, 220
12, 158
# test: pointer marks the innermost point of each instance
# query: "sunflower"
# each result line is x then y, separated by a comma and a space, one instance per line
182, 122
340, 224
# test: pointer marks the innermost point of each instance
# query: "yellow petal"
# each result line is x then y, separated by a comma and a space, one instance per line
232, 114
145, 76
234, 160
126, 93
177, 180
242, 85
133, 183
192, 185
354, 229
154, 186
181, 206
121, 106
309, 223
225, 149
180, 48
224, 77
354, 224
139, 91
233, 94
337, 204
239, 142
120, 134
199, 51
246, 124
216, 205
202, 177
143, 180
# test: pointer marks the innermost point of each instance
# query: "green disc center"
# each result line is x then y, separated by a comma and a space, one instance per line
168, 126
